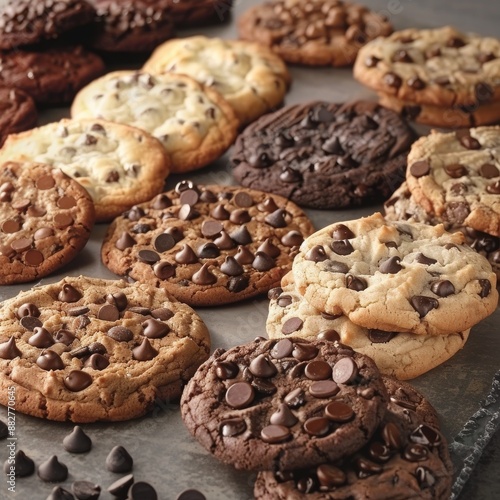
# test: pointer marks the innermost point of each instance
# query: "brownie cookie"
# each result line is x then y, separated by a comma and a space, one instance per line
45, 220
442, 68
207, 245
316, 32
187, 13
26, 22
249, 76
17, 112
117, 164
278, 405
130, 25
396, 276
457, 177
50, 75
407, 458
401, 355
325, 155
86, 349
193, 122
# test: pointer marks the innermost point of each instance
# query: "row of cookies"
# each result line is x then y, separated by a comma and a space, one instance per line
318, 420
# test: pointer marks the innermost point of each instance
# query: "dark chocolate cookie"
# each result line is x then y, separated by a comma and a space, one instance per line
278, 405
325, 155
17, 112
186, 13
130, 25
406, 458
50, 74
24, 22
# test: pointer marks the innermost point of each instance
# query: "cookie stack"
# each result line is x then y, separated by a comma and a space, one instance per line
454, 179
439, 77
405, 294
316, 418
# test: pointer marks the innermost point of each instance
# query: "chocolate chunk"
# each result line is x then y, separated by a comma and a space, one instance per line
262, 367
85, 490
423, 305
119, 460
295, 398
420, 168
24, 465
275, 434
345, 371
77, 380
144, 352
69, 293
283, 416
291, 325
9, 350
339, 412
121, 486
443, 288
142, 491
186, 255
41, 338
391, 265
317, 254
240, 395
380, 336
52, 470
164, 270
318, 370
77, 441
282, 349
317, 426
124, 241
120, 333
50, 360
485, 288
324, 389
203, 276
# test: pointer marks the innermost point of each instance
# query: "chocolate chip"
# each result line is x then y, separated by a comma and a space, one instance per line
392, 80
342, 247
244, 255
240, 395
318, 370
284, 300
124, 241
317, 426
488, 171
78, 310
9, 350
162, 243
226, 370
52, 470
485, 288
203, 276
224, 241
282, 349
426, 435
367, 467
108, 312
392, 436
240, 216
69, 293
466, 140
420, 168
316, 254
237, 284
330, 335
77, 380
355, 283
423, 305
231, 267
121, 486
41, 338
189, 197
183, 185
283, 416
186, 255
59, 493
295, 398
243, 199
345, 371
161, 201
142, 491
415, 453
493, 188
304, 352
148, 256
263, 367
443, 288
164, 270
175, 232
28, 309
119, 460
277, 218
187, 212
30, 323
391, 265
85, 490
330, 476
154, 329
241, 236
275, 434
339, 412
211, 228
291, 325
96, 362
50, 360
219, 213
263, 262
380, 336
77, 441
324, 389
233, 427
24, 465
455, 170
144, 352
64, 336
371, 61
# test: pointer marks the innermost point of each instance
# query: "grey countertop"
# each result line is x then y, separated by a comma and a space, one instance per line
164, 453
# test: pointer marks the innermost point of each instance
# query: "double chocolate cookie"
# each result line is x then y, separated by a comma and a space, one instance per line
278, 405
325, 155
86, 349
207, 245
18, 112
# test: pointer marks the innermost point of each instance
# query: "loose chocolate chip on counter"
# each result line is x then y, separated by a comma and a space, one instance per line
50, 360
154, 329
52, 470
282, 349
191, 495
275, 433
69, 293
119, 460
240, 395
380, 336
420, 168
41, 338
120, 333
59, 493
24, 465
9, 349
485, 288
77, 380
291, 325
121, 486
318, 370
345, 371
443, 288
145, 351
391, 265
283, 416
263, 367
85, 490
142, 491
493, 188
77, 441
124, 241
324, 389
316, 254
423, 305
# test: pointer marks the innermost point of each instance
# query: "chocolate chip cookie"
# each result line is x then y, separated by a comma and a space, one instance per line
325, 155
85, 349
18, 112
46, 219
440, 76
249, 76
406, 458
457, 177
278, 405
396, 276
316, 33
50, 74
401, 355
26, 22
193, 122
207, 245
117, 164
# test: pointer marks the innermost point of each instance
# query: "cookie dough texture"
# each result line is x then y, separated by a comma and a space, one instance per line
401, 355
193, 122
457, 177
119, 165
325, 155
85, 349
207, 245
18, 112
316, 32
249, 76
396, 276
45, 220
271, 429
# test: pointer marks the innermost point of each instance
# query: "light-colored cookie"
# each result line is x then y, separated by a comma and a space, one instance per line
251, 78
45, 220
457, 176
118, 165
439, 67
401, 355
396, 276
193, 122
207, 245
316, 33
85, 349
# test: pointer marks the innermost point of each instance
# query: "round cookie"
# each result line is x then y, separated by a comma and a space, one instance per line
325, 155
457, 176
130, 26
50, 75
439, 67
46, 219
193, 122
407, 458
316, 33
86, 349
249, 76
26, 22
396, 276
18, 112
401, 355
187, 13
278, 405
207, 245
117, 164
